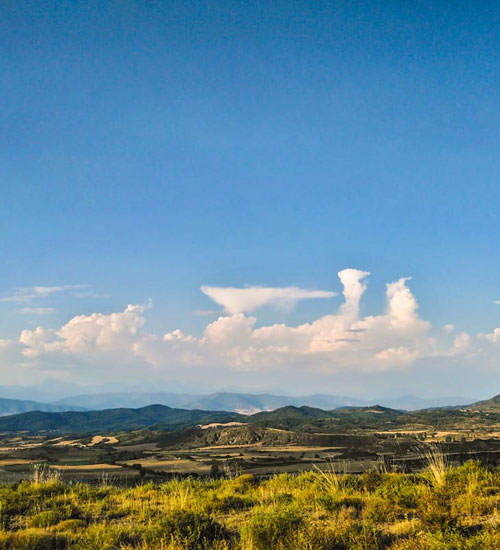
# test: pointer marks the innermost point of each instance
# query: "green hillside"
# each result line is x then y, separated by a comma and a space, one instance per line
488, 404
112, 419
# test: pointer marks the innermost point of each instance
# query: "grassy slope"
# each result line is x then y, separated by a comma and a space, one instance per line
455, 509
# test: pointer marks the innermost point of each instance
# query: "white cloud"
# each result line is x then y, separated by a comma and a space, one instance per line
333, 342
100, 331
230, 331
246, 300
354, 287
402, 304
35, 341
399, 356
28, 294
461, 343
340, 342
493, 336
42, 291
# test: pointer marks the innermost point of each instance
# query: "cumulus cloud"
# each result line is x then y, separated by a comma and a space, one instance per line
340, 342
493, 336
35, 341
100, 331
354, 287
402, 304
399, 356
461, 343
88, 337
245, 300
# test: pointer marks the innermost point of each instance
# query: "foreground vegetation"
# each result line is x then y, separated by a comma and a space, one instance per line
439, 509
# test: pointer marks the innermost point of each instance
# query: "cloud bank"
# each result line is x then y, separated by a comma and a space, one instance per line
343, 342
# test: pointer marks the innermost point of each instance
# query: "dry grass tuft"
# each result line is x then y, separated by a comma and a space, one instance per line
436, 464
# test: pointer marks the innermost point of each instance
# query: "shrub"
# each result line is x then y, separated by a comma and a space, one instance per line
70, 525
191, 530
32, 539
380, 510
272, 528
45, 519
244, 483
233, 502
332, 502
399, 490
107, 537
371, 479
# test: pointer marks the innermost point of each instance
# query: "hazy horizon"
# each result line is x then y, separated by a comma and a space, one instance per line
48, 390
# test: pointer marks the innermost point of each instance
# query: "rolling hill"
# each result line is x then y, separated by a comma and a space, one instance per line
307, 419
492, 404
304, 419
112, 419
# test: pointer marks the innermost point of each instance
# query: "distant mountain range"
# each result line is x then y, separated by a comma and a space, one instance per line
244, 403
132, 400
304, 418
247, 403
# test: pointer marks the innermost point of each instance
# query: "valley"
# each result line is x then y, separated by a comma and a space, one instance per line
158, 443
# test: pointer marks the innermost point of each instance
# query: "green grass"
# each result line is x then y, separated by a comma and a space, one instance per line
449, 509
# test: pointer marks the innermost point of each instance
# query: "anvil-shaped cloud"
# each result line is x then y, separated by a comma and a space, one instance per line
248, 299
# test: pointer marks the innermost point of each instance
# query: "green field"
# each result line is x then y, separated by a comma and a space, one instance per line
439, 509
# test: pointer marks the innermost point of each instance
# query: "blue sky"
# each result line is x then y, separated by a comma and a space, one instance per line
150, 148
